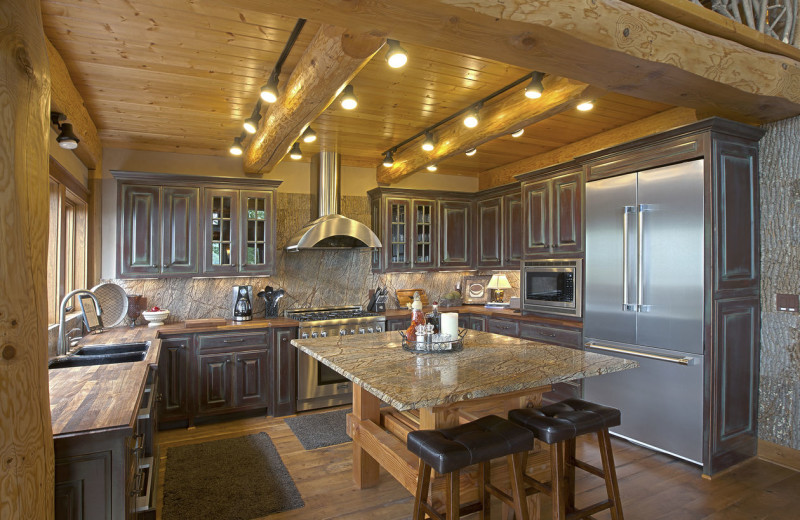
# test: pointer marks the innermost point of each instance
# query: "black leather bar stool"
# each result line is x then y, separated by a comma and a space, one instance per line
559, 425
449, 450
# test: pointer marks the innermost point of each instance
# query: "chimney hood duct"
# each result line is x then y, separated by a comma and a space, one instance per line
330, 230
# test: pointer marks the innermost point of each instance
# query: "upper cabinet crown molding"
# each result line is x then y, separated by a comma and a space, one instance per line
173, 179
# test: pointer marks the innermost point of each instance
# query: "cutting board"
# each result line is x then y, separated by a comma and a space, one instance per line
406, 296
205, 322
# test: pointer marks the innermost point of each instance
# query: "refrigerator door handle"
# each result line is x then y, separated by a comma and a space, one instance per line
641, 307
677, 360
626, 304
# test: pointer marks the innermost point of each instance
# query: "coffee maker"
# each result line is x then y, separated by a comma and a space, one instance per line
242, 302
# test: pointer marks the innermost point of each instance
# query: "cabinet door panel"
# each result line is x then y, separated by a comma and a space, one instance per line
490, 232
536, 207
257, 241
567, 210
513, 231
377, 254
214, 383
173, 380
477, 323
424, 233
251, 379
284, 372
398, 324
504, 327
398, 222
221, 231
454, 234
179, 248
139, 231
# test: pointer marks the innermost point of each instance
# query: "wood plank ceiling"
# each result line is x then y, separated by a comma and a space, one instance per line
181, 76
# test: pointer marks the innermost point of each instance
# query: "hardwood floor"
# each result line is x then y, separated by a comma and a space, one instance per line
653, 486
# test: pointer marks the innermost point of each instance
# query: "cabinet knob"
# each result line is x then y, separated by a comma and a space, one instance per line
167, 264
233, 264
154, 265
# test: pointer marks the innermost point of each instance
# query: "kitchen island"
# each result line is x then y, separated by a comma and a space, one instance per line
492, 374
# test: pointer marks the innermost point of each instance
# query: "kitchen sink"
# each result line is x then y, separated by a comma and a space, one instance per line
95, 359
116, 348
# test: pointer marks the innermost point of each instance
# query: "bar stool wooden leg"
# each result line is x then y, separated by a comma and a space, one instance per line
569, 474
610, 473
452, 495
515, 469
557, 480
423, 484
484, 470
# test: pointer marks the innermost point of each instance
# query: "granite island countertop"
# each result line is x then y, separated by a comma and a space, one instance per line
489, 364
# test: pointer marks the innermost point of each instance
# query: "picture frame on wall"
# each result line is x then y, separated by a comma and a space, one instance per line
474, 289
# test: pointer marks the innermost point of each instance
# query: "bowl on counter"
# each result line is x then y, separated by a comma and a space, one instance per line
155, 318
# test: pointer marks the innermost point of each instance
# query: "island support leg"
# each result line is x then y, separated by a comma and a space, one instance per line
366, 470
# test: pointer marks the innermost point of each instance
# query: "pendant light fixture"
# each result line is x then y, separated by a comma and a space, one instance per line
586, 105
251, 123
471, 152
236, 148
432, 168
309, 135
471, 118
429, 143
535, 88
518, 133
349, 100
295, 152
388, 158
396, 56
66, 138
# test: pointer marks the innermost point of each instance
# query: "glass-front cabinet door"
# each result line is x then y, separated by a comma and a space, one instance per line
258, 229
375, 210
398, 221
424, 233
221, 231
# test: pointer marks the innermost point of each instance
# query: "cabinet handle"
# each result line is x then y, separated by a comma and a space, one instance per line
546, 335
138, 484
233, 340
159, 398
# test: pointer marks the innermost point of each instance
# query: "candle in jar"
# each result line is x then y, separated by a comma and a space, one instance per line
449, 324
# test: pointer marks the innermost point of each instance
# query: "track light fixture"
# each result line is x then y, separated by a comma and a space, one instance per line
471, 118
236, 148
349, 100
251, 123
586, 105
429, 143
471, 152
396, 56
388, 158
309, 135
432, 168
66, 138
535, 88
295, 152
269, 92
518, 133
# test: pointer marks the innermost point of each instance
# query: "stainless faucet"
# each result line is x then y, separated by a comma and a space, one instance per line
63, 341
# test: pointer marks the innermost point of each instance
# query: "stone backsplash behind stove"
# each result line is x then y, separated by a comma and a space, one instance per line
315, 278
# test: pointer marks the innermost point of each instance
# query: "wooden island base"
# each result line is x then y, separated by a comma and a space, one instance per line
379, 440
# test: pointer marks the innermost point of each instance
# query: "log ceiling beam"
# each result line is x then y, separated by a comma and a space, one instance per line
654, 124
514, 111
66, 99
329, 63
607, 43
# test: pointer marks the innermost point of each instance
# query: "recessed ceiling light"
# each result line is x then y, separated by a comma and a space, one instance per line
309, 135
518, 132
349, 100
471, 152
396, 56
429, 142
432, 168
236, 147
295, 152
586, 105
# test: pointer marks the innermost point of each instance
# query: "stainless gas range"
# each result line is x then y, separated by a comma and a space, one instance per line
317, 385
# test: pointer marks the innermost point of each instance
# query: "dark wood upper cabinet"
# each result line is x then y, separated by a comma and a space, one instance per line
179, 245
513, 231
377, 254
567, 206
257, 243
552, 208
454, 230
490, 228
139, 253
423, 233
397, 237
221, 232
536, 209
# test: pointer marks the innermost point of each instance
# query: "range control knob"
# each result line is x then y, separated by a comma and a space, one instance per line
314, 334
370, 330
324, 333
304, 335
378, 329
352, 331
362, 330
342, 332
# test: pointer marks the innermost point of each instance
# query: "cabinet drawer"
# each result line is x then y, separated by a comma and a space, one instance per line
504, 327
232, 341
563, 337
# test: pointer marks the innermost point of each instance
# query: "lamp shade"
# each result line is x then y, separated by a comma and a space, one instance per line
498, 281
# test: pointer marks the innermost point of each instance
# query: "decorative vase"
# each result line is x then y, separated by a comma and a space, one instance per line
136, 304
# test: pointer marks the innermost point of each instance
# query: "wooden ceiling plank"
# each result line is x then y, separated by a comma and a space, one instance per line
653, 58
652, 125
330, 61
497, 118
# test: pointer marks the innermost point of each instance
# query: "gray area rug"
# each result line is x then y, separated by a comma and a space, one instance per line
230, 479
320, 429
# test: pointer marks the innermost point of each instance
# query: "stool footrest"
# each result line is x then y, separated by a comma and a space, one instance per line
587, 511
594, 470
541, 487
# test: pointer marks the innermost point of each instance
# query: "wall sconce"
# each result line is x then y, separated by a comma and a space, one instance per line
66, 139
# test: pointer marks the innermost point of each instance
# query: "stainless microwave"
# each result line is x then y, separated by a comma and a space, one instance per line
552, 286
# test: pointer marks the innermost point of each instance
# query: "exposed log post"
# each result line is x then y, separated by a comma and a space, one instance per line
332, 59
514, 111
26, 438
648, 126
607, 43
67, 99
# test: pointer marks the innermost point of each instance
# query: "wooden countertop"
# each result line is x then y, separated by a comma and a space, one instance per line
230, 325
508, 314
489, 364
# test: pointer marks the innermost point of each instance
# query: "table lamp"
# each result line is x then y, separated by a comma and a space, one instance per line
498, 283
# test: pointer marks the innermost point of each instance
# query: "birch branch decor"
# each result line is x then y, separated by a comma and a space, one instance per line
776, 18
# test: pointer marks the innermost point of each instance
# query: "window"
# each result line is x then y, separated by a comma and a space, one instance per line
66, 245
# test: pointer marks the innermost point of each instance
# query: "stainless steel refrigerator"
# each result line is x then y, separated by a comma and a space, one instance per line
644, 301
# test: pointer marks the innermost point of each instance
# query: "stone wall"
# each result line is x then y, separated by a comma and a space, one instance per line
310, 278
779, 402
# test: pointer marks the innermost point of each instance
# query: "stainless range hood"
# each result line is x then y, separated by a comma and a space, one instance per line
330, 230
